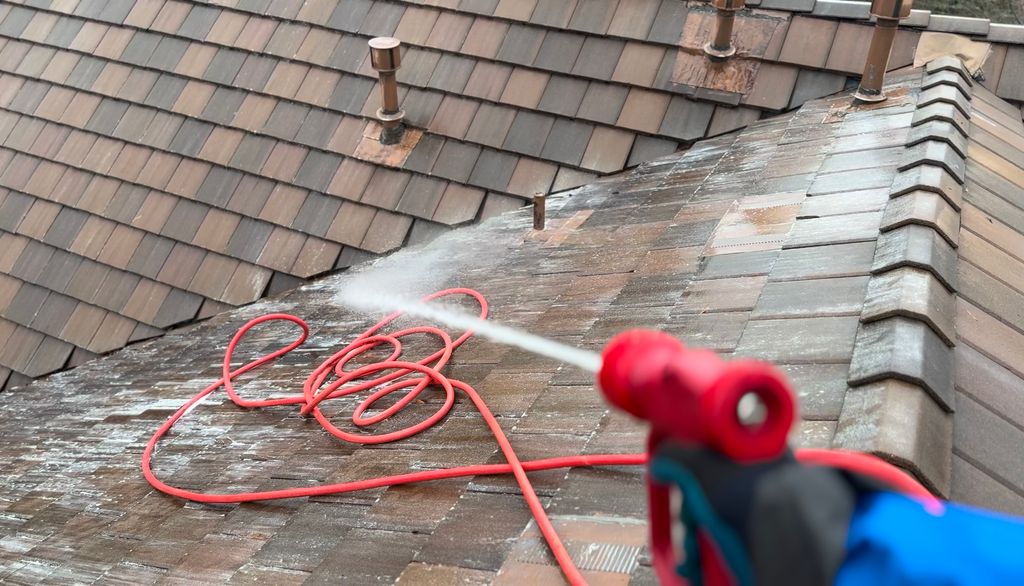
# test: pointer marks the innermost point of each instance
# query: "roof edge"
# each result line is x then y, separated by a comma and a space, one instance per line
919, 19
901, 401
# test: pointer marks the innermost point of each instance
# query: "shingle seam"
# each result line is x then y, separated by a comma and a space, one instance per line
304, 104
903, 354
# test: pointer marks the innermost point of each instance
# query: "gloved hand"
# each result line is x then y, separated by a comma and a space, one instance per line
775, 522
785, 522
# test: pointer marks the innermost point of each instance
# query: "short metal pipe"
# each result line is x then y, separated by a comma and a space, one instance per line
723, 32
539, 211
721, 46
389, 92
870, 89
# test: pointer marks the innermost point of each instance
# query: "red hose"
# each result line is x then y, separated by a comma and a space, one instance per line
394, 375
426, 372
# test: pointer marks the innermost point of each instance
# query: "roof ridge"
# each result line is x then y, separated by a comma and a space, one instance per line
919, 19
901, 374
832, 9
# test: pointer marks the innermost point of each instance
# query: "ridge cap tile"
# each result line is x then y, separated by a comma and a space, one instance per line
927, 209
941, 111
938, 131
936, 153
904, 349
918, 246
901, 423
914, 294
949, 63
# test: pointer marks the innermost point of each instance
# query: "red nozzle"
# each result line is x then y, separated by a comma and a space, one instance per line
693, 395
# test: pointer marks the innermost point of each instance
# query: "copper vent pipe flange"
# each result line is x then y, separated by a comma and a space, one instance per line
386, 58
887, 15
722, 47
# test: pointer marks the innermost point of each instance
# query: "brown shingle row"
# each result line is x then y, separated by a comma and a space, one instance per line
845, 47
92, 278
636, 63
719, 124
30, 352
166, 127
138, 219
723, 120
90, 311
292, 74
93, 154
198, 220
990, 372
562, 57
828, 35
651, 20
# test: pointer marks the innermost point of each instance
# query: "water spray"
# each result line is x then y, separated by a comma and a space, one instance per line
588, 361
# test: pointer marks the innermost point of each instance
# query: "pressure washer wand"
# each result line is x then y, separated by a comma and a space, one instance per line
692, 397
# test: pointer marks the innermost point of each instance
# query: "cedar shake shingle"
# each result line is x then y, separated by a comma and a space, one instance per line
484, 38
453, 117
525, 88
421, 196
808, 42
416, 24
598, 58
387, 231
643, 111
490, 125
488, 80
351, 223
563, 96
607, 149
553, 13
450, 31
532, 177
206, 128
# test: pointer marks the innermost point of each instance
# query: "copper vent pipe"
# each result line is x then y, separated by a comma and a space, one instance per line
887, 14
721, 48
386, 58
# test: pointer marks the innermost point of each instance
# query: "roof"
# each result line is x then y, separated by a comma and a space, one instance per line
873, 252
169, 160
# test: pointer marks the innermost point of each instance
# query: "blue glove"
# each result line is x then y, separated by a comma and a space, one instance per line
897, 541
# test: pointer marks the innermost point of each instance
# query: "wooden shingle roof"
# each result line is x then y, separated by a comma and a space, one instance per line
873, 252
162, 161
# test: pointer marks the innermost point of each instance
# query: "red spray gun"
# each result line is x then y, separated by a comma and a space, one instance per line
693, 397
